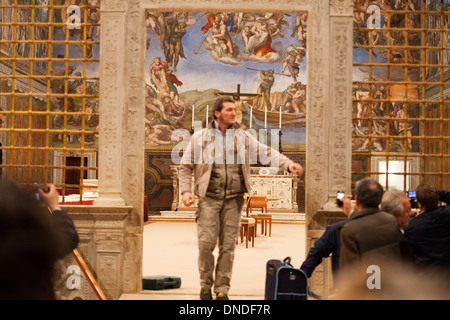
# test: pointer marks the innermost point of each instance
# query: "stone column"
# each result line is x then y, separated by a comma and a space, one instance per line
341, 38
121, 144
133, 157
111, 104
337, 149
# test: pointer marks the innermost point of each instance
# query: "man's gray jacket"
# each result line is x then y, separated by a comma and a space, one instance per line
207, 146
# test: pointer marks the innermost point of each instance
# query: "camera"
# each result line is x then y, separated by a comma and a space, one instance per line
339, 196
412, 199
36, 193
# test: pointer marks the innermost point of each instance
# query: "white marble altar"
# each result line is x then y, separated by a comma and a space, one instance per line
277, 185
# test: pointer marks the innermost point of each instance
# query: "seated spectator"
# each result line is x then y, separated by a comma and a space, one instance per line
328, 243
397, 203
370, 236
394, 202
31, 240
429, 233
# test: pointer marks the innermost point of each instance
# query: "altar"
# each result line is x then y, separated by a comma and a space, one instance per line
279, 186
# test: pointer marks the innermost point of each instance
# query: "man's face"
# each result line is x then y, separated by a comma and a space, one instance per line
403, 220
227, 116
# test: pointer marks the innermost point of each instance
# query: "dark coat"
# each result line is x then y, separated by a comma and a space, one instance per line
371, 235
328, 243
29, 249
429, 236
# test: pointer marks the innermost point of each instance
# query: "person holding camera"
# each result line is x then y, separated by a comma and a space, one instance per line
31, 240
394, 202
64, 228
328, 243
429, 233
370, 236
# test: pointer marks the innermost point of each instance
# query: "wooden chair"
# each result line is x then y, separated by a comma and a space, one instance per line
257, 202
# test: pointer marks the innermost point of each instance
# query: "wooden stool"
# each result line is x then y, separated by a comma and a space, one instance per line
248, 230
266, 222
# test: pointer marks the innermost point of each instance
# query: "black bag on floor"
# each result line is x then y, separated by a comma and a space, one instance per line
284, 282
160, 282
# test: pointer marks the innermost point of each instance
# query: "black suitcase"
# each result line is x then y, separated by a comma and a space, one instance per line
160, 282
284, 282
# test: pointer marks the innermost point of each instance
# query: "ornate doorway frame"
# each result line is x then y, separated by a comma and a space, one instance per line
122, 84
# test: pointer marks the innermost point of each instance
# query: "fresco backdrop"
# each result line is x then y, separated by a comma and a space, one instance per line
194, 57
380, 73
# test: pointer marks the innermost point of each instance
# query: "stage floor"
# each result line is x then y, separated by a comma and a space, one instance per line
170, 248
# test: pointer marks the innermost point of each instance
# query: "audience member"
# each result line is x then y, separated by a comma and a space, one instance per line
397, 203
429, 232
328, 243
31, 240
370, 236
394, 202
392, 280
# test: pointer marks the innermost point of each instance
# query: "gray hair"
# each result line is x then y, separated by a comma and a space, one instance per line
392, 202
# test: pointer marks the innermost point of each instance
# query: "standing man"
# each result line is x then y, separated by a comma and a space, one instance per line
220, 158
370, 236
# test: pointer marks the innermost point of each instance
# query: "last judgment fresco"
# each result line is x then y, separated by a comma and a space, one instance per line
194, 57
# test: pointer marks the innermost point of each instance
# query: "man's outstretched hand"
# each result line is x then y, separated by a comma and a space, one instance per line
296, 168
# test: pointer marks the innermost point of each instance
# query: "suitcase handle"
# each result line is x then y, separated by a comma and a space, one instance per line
287, 260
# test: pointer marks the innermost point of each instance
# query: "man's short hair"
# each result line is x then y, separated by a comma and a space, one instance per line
392, 202
369, 192
218, 104
427, 196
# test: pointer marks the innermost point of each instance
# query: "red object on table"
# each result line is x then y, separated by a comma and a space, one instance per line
68, 192
84, 202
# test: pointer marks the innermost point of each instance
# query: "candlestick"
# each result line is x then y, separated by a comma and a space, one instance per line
279, 125
265, 118
251, 116
279, 140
